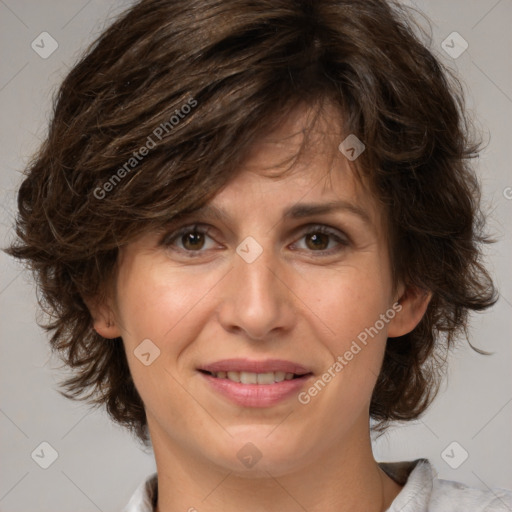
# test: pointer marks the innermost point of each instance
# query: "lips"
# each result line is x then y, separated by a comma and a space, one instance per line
250, 383
244, 371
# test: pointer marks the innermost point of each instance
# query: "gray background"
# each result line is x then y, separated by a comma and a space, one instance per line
98, 464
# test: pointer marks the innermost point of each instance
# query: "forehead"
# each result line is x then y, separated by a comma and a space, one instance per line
294, 172
299, 162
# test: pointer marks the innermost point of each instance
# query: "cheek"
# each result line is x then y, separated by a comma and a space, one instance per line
165, 306
348, 303
348, 309
162, 304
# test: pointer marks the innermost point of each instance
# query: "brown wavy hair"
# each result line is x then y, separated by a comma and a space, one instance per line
242, 67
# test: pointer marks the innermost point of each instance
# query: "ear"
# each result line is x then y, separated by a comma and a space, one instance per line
413, 302
104, 322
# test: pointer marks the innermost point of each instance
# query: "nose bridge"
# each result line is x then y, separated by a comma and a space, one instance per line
256, 282
255, 277
257, 302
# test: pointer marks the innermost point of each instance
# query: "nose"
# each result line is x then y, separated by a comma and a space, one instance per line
257, 299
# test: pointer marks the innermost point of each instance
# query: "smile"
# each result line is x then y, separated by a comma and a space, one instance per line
254, 378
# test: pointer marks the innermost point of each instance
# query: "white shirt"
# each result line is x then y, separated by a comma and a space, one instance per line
422, 492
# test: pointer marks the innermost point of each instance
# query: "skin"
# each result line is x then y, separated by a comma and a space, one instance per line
304, 299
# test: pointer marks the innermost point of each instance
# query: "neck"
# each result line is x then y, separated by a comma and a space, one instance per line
341, 479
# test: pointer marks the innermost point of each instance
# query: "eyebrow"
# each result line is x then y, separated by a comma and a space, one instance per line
302, 210
297, 211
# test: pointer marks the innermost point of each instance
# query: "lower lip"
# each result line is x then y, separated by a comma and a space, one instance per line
256, 395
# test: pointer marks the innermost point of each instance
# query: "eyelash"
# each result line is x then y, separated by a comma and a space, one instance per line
170, 238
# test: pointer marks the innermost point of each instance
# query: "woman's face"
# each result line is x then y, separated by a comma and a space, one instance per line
292, 277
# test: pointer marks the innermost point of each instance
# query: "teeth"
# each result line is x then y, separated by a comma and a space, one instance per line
248, 378
265, 378
254, 378
235, 376
279, 376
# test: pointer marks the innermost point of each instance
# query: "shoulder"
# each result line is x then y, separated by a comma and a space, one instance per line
144, 497
423, 492
454, 496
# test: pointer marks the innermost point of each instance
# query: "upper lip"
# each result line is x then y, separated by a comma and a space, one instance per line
247, 365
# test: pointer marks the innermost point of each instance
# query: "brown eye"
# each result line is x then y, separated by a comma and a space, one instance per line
318, 241
192, 240
323, 240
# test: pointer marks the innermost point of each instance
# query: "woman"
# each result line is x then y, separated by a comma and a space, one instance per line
256, 228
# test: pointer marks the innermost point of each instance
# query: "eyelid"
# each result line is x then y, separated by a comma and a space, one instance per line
176, 232
343, 240
340, 236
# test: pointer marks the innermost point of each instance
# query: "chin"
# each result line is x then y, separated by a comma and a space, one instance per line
268, 465
256, 454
